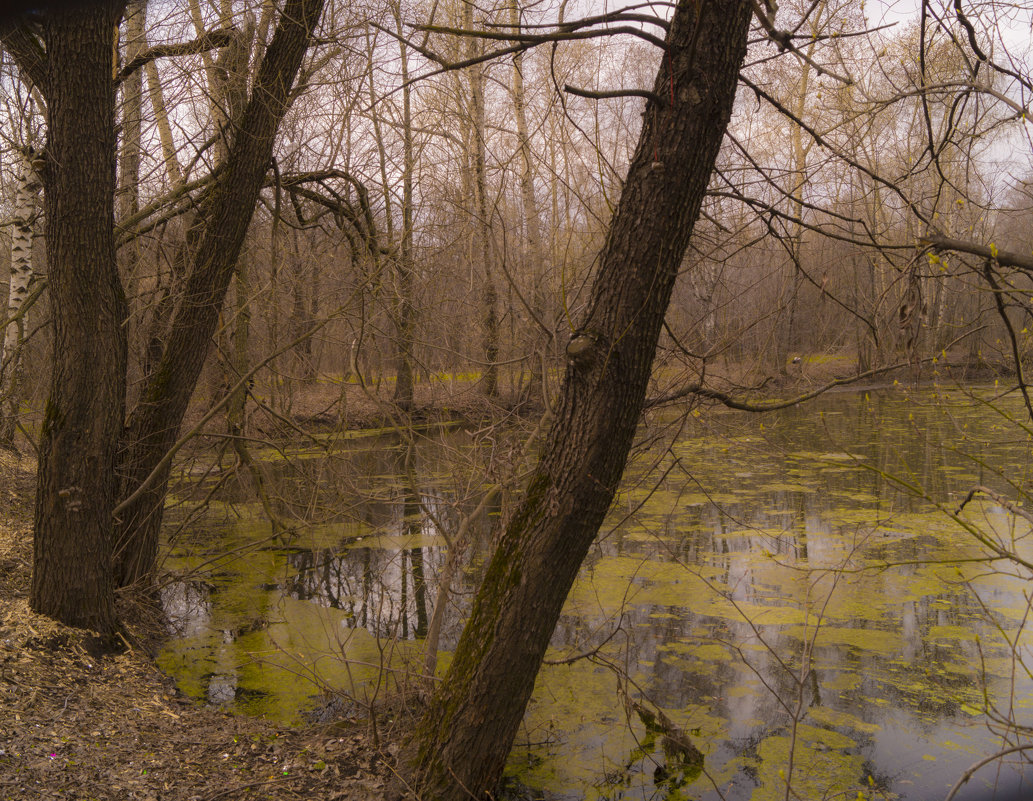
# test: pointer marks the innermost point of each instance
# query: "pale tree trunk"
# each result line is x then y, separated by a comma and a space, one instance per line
161, 310
239, 360
459, 748
132, 112
227, 95
559, 224
227, 98
704, 279
303, 286
218, 233
248, 471
77, 484
385, 183
542, 341
790, 297
127, 197
405, 309
161, 116
24, 223
482, 215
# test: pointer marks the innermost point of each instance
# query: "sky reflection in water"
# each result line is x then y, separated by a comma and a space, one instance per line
771, 584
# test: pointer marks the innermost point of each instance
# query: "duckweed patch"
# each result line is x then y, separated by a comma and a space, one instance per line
774, 592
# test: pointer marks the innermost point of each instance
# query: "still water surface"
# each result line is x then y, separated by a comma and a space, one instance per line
787, 591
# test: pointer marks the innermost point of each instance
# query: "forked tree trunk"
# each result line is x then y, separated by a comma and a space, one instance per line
76, 490
217, 235
459, 748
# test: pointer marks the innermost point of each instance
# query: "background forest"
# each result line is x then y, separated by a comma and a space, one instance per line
423, 224
243, 232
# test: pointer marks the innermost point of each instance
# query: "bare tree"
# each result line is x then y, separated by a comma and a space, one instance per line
457, 750
68, 56
216, 236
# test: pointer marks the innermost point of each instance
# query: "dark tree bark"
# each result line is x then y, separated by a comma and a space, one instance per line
459, 749
76, 490
216, 237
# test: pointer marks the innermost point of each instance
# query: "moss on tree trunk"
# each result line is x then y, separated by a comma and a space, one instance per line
460, 747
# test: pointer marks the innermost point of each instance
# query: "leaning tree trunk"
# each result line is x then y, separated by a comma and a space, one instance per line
459, 748
217, 235
71, 577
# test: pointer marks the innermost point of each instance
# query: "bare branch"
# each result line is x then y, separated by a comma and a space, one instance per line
525, 41
986, 761
603, 95
25, 47
971, 32
770, 406
1005, 258
568, 31
817, 137
210, 41
997, 498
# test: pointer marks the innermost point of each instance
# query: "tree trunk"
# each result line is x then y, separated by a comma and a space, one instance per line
218, 234
459, 748
24, 223
789, 296
482, 214
405, 311
541, 342
127, 195
704, 277
132, 115
161, 118
240, 363
76, 490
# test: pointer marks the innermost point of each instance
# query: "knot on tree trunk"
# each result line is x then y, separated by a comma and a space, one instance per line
583, 348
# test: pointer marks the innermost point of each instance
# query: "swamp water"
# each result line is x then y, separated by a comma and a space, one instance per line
772, 584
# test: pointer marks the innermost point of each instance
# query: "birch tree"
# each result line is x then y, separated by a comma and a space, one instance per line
24, 225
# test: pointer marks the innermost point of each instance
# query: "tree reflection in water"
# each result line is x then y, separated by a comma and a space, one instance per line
778, 596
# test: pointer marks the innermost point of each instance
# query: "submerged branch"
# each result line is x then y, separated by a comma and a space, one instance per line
767, 406
771, 406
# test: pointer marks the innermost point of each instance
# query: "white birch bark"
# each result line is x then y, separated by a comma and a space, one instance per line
24, 224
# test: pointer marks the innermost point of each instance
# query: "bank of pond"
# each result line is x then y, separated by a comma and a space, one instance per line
783, 600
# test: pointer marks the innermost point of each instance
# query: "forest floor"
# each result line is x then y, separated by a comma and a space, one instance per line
79, 723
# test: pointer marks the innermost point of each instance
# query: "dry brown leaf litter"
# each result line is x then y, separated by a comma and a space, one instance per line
76, 723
